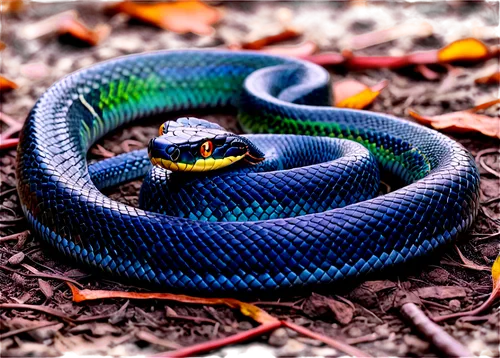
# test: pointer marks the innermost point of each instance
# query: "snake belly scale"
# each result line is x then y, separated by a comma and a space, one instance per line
273, 95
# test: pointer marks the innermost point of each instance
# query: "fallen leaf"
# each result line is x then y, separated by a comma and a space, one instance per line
11, 6
246, 309
302, 50
46, 288
463, 121
322, 306
272, 33
489, 74
2, 45
7, 85
16, 259
180, 16
354, 94
463, 50
441, 292
66, 23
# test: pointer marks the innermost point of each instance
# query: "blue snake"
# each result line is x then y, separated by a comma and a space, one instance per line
297, 207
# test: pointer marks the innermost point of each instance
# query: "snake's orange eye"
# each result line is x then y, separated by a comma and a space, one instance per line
206, 149
162, 128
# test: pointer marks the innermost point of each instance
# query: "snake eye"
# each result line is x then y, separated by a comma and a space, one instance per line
162, 128
206, 149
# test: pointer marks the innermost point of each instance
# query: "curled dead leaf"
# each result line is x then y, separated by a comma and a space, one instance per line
354, 94
463, 121
66, 23
179, 16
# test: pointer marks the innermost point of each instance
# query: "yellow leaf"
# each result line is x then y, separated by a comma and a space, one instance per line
249, 310
495, 272
179, 16
463, 50
354, 94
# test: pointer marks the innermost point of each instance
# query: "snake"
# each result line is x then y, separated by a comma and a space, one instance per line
293, 206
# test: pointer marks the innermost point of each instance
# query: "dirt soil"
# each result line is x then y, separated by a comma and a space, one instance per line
370, 317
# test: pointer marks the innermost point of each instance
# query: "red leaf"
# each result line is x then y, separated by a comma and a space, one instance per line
354, 94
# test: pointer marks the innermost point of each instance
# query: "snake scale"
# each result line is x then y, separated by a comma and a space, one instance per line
273, 95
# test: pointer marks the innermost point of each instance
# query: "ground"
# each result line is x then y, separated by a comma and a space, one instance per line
369, 317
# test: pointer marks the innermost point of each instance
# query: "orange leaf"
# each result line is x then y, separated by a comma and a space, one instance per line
464, 121
6, 84
66, 23
354, 94
247, 309
180, 16
2, 45
489, 74
272, 33
464, 50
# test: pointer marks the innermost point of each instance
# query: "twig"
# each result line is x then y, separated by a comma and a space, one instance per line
485, 305
470, 264
218, 343
83, 319
445, 343
41, 274
16, 236
346, 348
15, 332
364, 339
151, 338
43, 309
488, 168
7, 192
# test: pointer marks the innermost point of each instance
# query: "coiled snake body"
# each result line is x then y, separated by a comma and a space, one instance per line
273, 95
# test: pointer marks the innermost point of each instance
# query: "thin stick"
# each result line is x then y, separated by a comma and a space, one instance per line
445, 343
26, 329
346, 348
218, 343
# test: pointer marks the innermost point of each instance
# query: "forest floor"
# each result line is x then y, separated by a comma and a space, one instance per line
369, 317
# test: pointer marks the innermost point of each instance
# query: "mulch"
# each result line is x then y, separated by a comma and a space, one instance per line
364, 314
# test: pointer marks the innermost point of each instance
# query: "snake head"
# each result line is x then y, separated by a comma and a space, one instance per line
195, 145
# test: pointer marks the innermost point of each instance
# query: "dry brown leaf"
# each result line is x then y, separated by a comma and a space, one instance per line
464, 121
180, 16
272, 33
46, 288
441, 292
7, 85
354, 94
66, 23
492, 79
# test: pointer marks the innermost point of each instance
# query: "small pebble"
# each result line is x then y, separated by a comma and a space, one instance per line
245, 325
455, 305
292, 348
492, 337
278, 338
35, 71
354, 332
382, 330
128, 45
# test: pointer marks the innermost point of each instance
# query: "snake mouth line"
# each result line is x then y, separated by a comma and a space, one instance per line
200, 165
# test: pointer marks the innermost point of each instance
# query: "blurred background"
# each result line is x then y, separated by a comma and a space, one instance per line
433, 62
